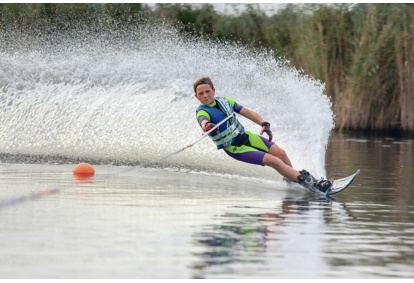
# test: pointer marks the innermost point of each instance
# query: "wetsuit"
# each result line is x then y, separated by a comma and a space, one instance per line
240, 144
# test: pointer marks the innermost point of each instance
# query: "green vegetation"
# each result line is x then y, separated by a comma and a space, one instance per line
364, 53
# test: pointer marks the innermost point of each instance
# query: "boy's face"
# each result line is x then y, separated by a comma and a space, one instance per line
205, 94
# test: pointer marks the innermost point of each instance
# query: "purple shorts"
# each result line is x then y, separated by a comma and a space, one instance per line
252, 151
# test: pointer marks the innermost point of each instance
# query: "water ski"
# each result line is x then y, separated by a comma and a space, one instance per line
341, 184
338, 184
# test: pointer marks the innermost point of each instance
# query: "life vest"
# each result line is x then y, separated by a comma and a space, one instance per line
227, 131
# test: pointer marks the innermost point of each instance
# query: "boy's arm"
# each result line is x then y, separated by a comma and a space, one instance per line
253, 116
203, 118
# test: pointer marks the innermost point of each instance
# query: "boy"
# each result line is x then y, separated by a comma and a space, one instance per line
241, 144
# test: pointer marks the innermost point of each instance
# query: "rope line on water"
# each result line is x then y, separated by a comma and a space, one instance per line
180, 150
190, 145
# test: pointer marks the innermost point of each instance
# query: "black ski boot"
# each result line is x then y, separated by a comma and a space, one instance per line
307, 180
311, 183
324, 185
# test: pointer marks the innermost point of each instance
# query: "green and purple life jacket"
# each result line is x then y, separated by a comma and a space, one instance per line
228, 131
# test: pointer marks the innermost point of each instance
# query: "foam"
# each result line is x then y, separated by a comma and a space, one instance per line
126, 98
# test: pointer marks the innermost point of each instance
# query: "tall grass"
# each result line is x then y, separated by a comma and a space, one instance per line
378, 89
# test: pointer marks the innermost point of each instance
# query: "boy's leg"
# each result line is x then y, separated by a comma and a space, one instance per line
263, 144
253, 156
280, 153
262, 152
280, 166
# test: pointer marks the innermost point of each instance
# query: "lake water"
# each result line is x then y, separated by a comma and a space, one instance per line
132, 222
119, 98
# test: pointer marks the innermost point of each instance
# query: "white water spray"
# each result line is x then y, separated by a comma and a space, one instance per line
128, 99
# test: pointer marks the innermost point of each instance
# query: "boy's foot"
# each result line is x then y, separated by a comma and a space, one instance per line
306, 179
310, 182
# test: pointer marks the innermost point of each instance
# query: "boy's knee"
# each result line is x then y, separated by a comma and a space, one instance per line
272, 161
280, 153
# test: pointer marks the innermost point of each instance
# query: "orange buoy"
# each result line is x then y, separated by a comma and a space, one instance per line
83, 169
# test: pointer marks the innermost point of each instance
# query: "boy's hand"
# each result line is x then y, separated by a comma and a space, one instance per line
209, 126
266, 128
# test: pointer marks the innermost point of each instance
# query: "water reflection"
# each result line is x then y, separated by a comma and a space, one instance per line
232, 243
79, 181
289, 233
386, 166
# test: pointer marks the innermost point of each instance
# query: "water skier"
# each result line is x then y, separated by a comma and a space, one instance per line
241, 144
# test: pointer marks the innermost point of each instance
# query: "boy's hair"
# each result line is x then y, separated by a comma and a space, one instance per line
202, 81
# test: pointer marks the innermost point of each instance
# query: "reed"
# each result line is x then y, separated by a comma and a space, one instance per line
379, 90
